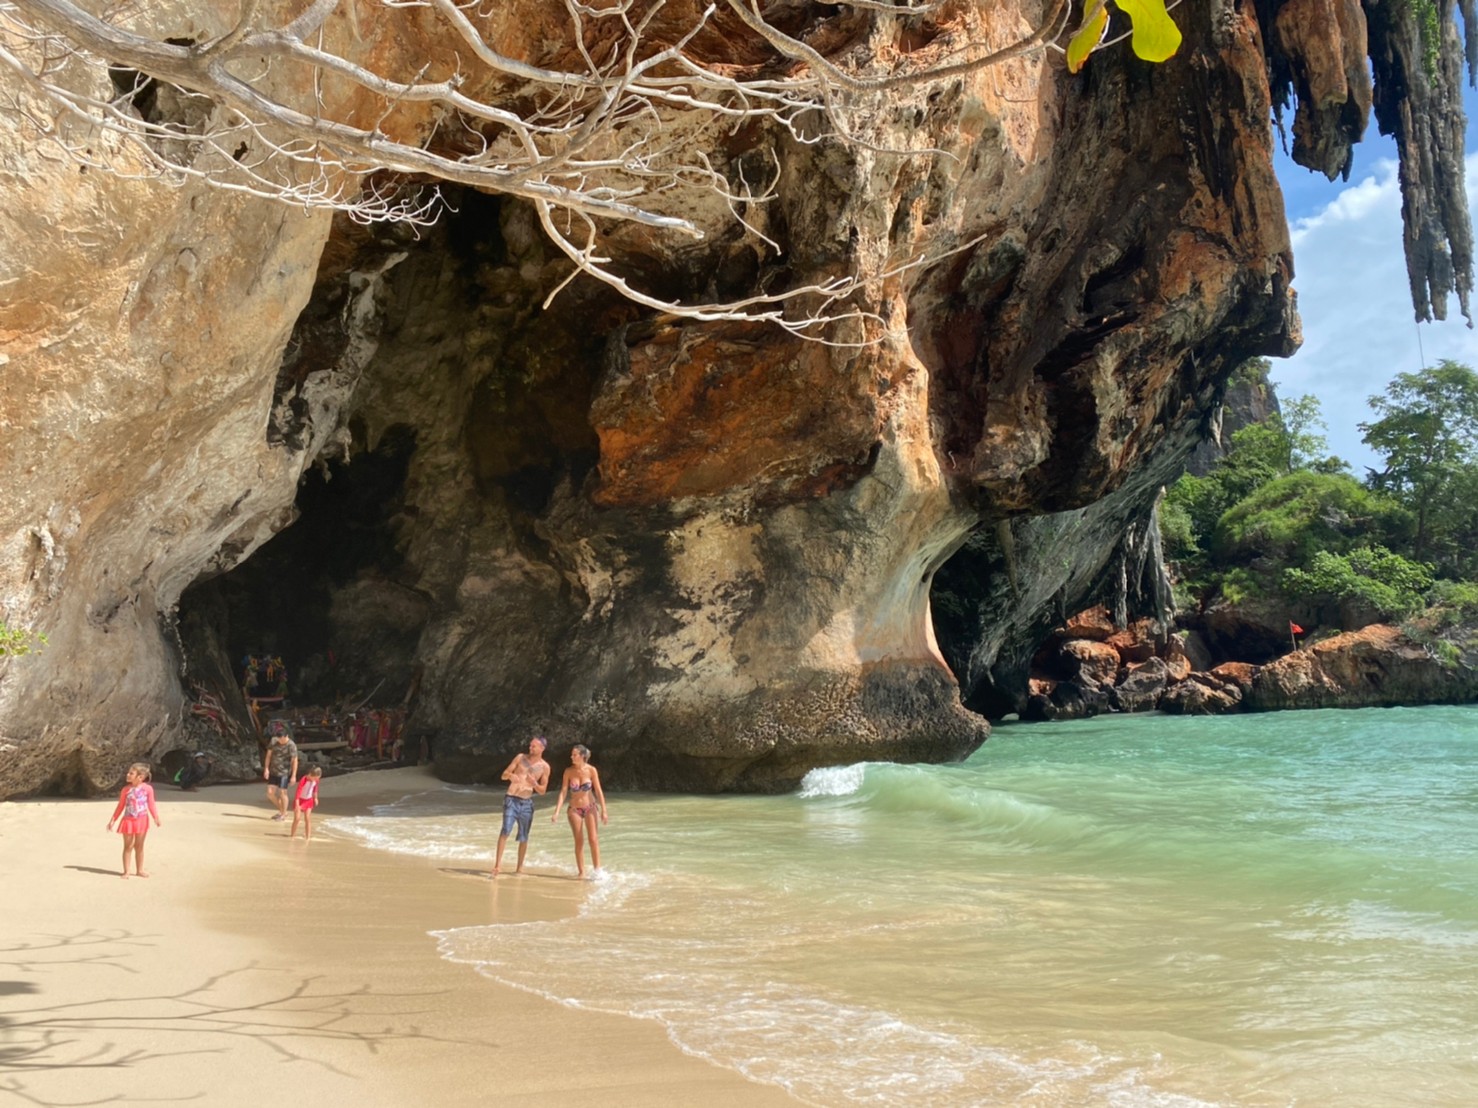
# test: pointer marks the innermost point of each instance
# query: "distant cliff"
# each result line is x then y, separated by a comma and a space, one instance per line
705, 548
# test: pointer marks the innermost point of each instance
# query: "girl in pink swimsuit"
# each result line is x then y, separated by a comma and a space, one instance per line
306, 801
136, 806
581, 784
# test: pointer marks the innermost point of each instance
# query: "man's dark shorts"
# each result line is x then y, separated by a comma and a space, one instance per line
281, 780
518, 811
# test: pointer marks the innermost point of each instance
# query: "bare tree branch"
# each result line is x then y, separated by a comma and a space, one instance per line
602, 127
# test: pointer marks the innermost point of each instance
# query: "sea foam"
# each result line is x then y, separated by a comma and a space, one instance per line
833, 781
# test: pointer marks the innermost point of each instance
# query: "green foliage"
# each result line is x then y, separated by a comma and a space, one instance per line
1293, 517
1177, 530
1253, 372
1280, 520
1429, 24
1427, 435
1259, 452
1199, 502
1241, 585
1303, 420
1370, 576
1451, 603
17, 642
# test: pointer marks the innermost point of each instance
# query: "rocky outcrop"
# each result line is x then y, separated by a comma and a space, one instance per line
1378, 666
1375, 667
704, 547
1250, 398
1201, 694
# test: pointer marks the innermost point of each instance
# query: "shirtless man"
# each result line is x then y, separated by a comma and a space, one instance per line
526, 775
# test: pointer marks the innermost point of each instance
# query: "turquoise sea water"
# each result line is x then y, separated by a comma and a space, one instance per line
1148, 910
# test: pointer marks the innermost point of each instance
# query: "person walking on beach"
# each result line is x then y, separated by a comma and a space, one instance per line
526, 775
581, 783
136, 806
305, 802
280, 767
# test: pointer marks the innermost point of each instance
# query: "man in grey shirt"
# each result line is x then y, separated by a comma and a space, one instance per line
280, 768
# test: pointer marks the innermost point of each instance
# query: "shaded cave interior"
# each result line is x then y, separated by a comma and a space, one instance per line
337, 594
295, 597
314, 595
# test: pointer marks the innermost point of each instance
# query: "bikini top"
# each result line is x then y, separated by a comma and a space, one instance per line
585, 787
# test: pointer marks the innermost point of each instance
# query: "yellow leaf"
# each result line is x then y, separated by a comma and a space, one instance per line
1090, 34
1156, 37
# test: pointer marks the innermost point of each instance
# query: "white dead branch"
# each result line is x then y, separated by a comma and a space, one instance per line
603, 137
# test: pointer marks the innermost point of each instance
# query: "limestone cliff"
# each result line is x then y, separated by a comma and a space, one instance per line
704, 548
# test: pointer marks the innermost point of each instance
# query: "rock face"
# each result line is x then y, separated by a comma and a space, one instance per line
704, 548
1374, 667
1250, 398
1141, 669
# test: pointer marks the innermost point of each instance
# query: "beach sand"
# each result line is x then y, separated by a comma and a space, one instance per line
249, 967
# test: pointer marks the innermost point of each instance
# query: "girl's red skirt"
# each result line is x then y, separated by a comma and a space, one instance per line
133, 825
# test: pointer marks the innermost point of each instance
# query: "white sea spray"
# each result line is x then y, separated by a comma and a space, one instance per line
833, 781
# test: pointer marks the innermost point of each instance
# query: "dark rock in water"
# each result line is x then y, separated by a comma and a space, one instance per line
1071, 700
1142, 687
1039, 709
1240, 674
1201, 694
1091, 664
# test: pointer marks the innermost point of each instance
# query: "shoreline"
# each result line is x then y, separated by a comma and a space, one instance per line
245, 958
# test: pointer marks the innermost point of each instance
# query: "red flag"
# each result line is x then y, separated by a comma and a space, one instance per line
1294, 629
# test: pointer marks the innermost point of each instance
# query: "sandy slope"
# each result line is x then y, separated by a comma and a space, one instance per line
248, 967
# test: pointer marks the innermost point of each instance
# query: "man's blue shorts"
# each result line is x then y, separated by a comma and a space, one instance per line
518, 811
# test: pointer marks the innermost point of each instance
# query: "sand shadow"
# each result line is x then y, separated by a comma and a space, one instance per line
211, 1016
94, 869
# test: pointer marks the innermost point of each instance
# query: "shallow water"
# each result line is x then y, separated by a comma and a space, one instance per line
1148, 910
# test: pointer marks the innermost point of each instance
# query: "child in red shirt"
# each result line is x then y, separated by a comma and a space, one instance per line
136, 806
306, 801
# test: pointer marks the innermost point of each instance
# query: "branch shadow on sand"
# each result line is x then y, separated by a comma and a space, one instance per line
209, 1016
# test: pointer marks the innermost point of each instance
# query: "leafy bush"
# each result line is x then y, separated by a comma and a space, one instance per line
1370, 576
1177, 532
1242, 586
1292, 518
1451, 603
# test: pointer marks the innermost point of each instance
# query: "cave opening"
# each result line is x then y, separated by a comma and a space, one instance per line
323, 595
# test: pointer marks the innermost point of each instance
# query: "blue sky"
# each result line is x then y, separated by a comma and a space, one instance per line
1350, 275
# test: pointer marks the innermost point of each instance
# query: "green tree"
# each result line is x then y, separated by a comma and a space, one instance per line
1303, 421
1257, 454
1427, 434
1288, 520
1371, 581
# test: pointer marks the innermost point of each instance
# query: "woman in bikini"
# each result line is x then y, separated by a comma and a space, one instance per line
581, 784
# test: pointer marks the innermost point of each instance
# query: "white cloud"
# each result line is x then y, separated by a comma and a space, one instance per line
1354, 204
1355, 301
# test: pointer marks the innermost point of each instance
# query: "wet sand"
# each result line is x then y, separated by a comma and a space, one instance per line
248, 966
